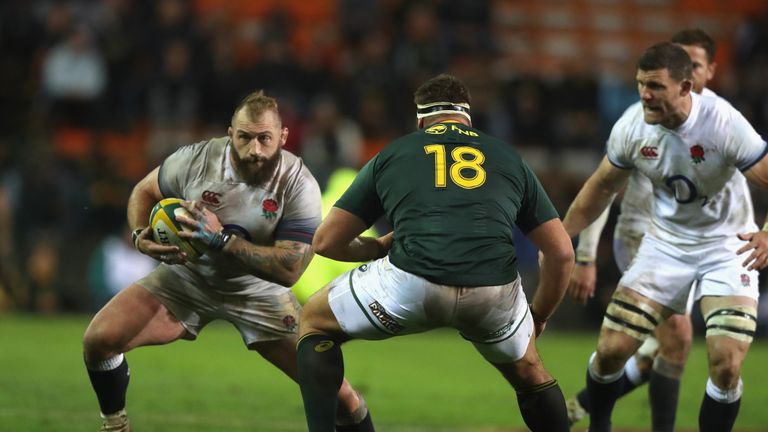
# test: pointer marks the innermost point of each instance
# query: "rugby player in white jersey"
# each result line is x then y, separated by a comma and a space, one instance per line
660, 362
690, 147
256, 207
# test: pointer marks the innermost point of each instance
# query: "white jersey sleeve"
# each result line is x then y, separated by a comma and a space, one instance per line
743, 146
303, 207
620, 146
179, 168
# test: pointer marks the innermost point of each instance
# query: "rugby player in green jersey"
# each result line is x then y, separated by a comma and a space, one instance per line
453, 195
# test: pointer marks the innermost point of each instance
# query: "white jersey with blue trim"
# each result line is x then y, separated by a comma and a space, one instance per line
285, 207
698, 193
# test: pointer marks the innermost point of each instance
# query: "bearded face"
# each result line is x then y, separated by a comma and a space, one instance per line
255, 170
256, 144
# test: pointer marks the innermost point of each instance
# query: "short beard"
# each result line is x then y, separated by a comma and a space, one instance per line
260, 176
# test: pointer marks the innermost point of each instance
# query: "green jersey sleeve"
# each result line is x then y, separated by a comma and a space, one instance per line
361, 198
536, 206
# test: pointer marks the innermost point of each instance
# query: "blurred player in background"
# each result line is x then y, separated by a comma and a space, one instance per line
256, 207
660, 362
690, 147
452, 194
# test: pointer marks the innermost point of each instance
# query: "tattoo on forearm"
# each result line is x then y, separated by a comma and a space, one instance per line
279, 262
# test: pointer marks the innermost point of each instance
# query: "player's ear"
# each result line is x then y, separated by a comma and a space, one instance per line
284, 136
685, 87
229, 133
711, 69
419, 123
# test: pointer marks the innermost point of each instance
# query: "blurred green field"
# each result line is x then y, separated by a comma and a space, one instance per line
432, 382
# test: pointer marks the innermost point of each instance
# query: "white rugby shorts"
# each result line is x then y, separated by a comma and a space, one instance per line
666, 273
260, 310
378, 301
625, 246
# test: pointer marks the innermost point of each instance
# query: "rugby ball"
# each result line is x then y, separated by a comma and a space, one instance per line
165, 227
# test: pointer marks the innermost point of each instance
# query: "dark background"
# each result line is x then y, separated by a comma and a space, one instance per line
94, 94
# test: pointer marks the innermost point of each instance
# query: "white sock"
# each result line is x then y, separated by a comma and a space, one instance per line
107, 365
603, 379
633, 372
724, 396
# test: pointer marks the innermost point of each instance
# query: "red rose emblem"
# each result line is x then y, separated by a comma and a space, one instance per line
269, 205
697, 154
289, 322
269, 208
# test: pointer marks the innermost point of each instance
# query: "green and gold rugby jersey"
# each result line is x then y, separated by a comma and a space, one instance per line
453, 195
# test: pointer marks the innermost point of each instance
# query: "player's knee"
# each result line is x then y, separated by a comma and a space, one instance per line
315, 314
725, 371
610, 358
613, 350
668, 368
675, 341
99, 341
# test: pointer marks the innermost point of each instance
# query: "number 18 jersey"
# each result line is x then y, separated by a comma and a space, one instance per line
453, 195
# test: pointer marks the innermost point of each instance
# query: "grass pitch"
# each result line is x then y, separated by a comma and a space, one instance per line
430, 382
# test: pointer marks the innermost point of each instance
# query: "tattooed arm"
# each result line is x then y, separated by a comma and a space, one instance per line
282, 263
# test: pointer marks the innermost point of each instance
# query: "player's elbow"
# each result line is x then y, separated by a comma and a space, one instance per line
323, 245
560, 254
289, 279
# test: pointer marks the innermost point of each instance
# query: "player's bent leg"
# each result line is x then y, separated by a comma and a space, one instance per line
320, 362
675, 338
629, 319
513, 353
352, 414
637, 371
731, 322
539, 397
132, 318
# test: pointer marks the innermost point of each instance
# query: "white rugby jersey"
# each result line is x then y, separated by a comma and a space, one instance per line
698, 195
287, 207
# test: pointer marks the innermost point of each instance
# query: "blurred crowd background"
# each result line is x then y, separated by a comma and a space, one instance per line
94, 94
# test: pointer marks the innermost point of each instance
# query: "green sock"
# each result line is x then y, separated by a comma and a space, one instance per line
321, 371
543, 408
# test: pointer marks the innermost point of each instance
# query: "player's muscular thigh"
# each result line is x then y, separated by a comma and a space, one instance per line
132, 318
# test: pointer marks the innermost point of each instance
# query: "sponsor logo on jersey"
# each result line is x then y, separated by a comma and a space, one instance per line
324, 346
210, 197
437, 129
269, 208
462, 131
745, 280
384, 318
697, 154
289, 322
649, 152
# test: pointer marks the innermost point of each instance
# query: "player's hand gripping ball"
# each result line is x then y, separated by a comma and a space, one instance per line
165, 227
